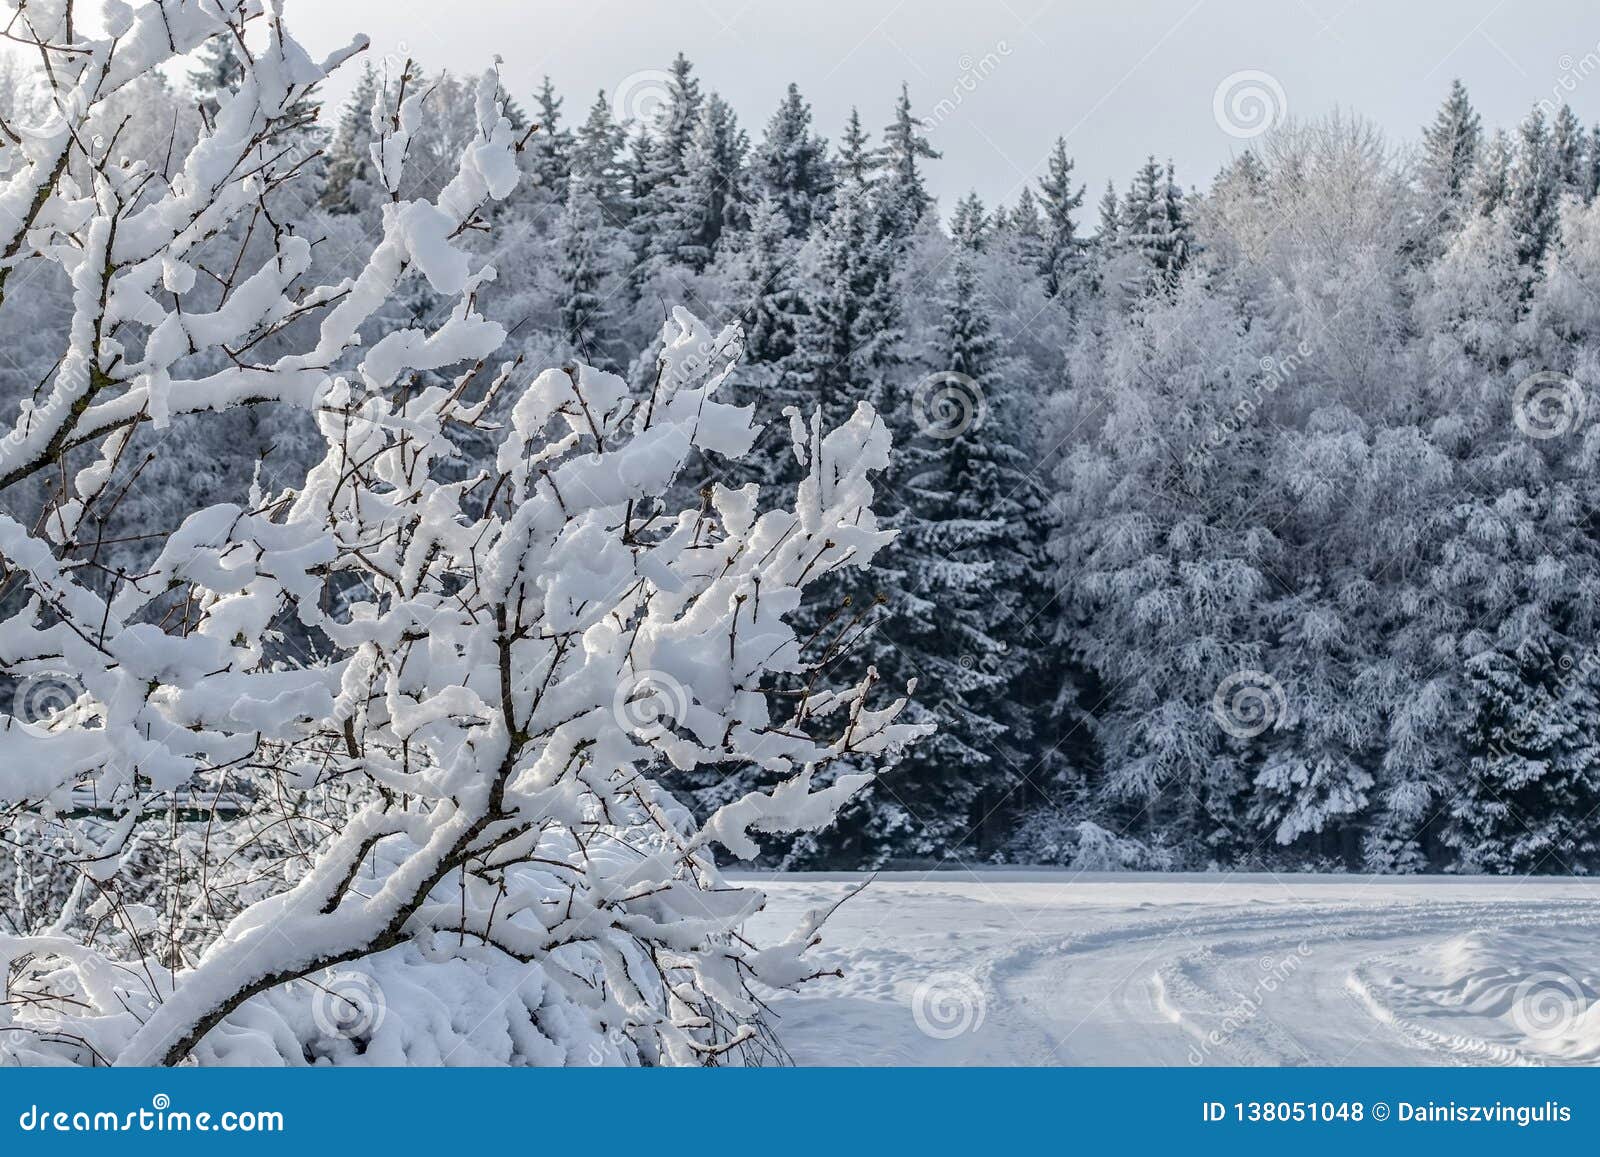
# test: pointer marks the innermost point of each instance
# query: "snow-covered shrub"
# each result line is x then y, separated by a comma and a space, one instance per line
431, 833
1048, 837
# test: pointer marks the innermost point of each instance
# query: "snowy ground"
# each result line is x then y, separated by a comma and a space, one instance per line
1034, 968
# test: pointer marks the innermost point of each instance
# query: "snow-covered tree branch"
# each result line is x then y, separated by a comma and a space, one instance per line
419, 705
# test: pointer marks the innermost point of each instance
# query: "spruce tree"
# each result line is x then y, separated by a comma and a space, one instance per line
964, 589
657, 163
1591, 166
217, 70
854, 162
676, 123
1533, 190
587, 276
1450, 150
1568, 152
1106, 237
1153, 224
849, 346
1025, 225
597, 149
1491, 179
1137, 204
662, 214
905, 197
761, 270
549, 150
764, 284
791, 165
851, 336
706, 196
1531, 792
969, 223
1063, 248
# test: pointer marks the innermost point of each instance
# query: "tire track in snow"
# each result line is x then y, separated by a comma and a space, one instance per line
1200, 990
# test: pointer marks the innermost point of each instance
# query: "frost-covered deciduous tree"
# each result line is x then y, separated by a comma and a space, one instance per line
433, 833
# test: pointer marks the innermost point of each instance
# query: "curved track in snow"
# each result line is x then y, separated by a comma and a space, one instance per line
1034, 968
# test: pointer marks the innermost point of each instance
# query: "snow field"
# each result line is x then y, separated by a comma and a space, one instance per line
1041, 968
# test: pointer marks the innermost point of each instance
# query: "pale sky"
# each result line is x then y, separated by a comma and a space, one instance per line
1119, 80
